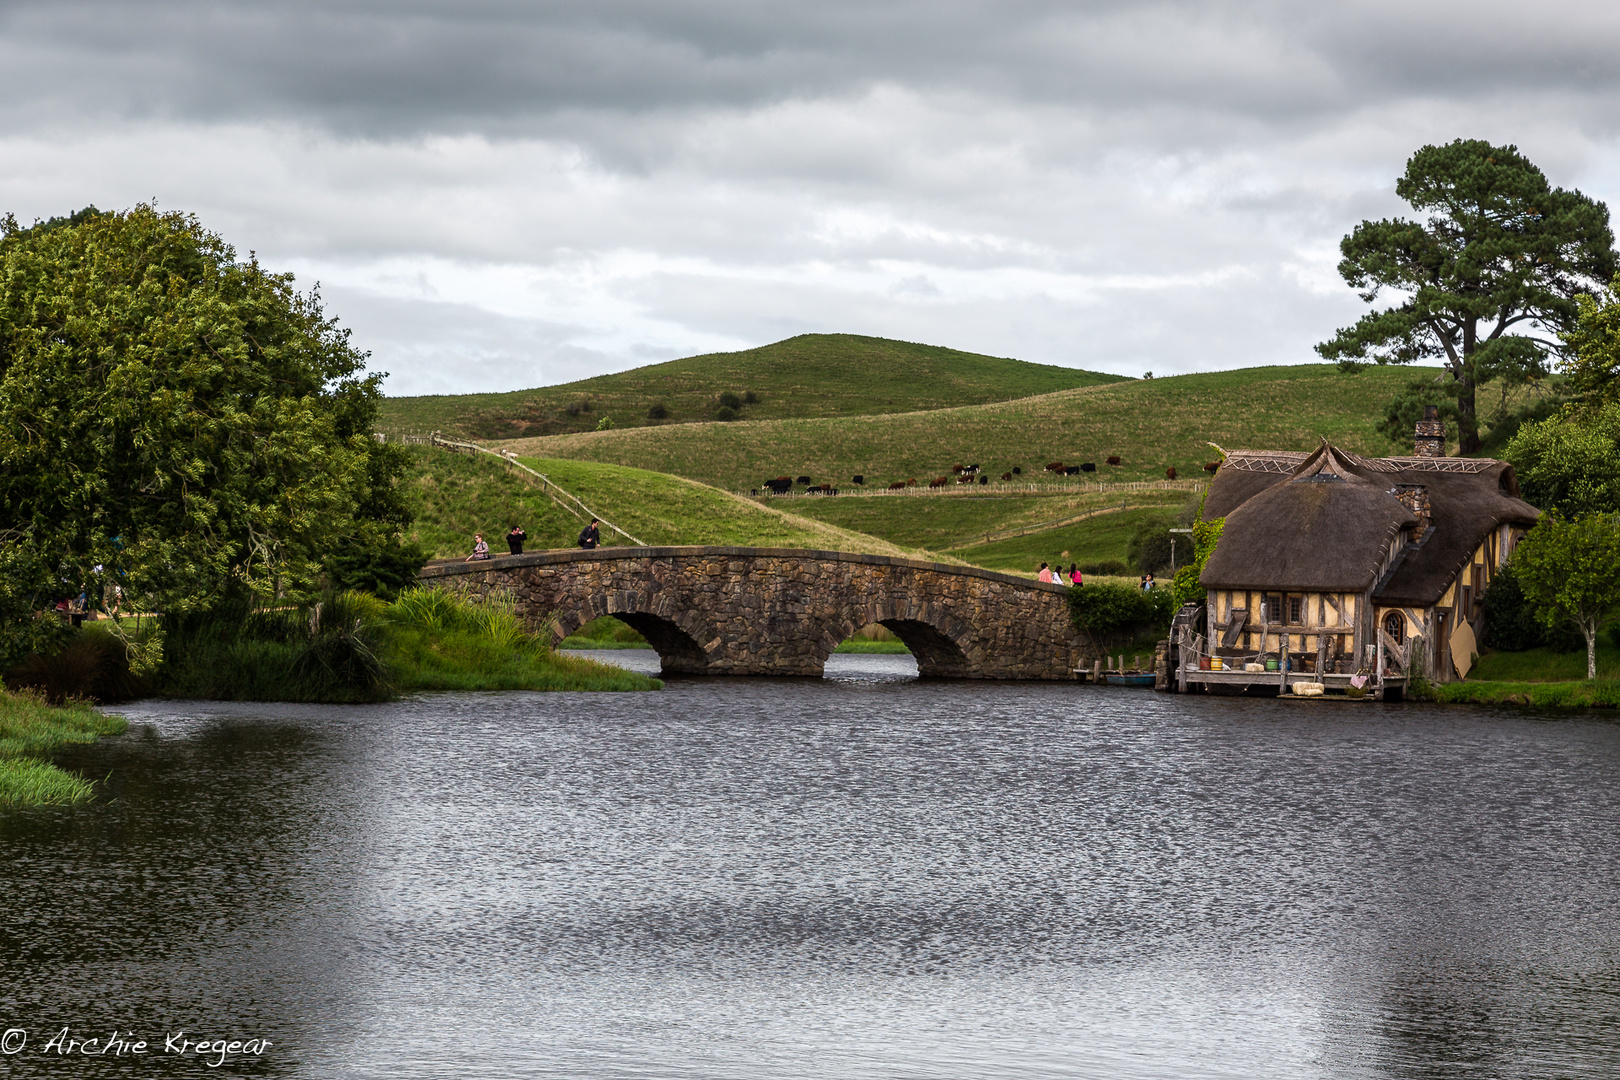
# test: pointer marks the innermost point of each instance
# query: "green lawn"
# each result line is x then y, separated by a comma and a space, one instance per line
805, 376
1150, 424
1544, 665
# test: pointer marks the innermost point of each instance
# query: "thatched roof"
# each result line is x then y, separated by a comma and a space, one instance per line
1322, 522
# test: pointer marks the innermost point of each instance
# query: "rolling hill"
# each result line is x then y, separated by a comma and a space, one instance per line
813, 375
1150, 424
456, 495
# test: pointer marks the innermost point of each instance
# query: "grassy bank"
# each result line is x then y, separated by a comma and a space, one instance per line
1150, 424
1598, 693
1539, 677
806, 376
30, 731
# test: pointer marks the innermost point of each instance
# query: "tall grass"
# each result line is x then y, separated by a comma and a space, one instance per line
441, 641
30, 730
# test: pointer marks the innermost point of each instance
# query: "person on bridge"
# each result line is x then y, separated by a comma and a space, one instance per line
1075, 577
480, 549
514, 540
1045, 574
590, 536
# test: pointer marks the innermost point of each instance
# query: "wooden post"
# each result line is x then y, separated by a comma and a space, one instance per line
1096, 672
1282, 663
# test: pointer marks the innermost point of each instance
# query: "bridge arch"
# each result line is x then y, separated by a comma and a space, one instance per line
676, 635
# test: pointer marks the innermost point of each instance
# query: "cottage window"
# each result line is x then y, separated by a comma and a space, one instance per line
1296, 610
1395, 626
1274, 608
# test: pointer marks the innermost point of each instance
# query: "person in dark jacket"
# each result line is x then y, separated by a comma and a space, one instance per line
514, 540
590, 536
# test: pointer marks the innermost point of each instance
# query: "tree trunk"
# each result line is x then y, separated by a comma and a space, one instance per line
1591, 650
1467, 418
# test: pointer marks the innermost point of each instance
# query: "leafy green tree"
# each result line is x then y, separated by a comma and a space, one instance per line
1570, 463
1486, 284
1592, 360
1570, 572
175, 421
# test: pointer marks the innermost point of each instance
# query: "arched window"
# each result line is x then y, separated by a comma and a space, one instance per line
1395, 626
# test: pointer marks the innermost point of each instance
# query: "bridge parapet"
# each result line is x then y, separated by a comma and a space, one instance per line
782, 611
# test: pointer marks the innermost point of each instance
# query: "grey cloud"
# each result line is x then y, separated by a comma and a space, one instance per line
405, 69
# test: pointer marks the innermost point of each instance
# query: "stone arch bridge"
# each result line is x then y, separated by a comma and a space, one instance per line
780, 611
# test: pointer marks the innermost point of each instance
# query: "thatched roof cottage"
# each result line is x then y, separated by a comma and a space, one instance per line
1345, 563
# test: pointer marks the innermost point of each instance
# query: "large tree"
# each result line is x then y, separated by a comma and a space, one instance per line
175, 420
1485, 285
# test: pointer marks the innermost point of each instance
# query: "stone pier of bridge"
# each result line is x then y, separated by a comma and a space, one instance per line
780, 611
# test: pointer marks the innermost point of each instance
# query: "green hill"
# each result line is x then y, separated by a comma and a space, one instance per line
813, 375
1150, 424
456, 495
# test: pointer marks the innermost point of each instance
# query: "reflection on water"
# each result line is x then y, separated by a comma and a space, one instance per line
861, 876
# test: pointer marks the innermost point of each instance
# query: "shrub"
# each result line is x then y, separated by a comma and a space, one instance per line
750, 398
1105, 568
730, 400
1510, 622
1110, 613
605, 424
658, 411
386, 570
726, 413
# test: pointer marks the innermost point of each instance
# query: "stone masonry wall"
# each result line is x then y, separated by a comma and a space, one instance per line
775, 611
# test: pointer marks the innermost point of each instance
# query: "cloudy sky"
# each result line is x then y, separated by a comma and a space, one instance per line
497, 194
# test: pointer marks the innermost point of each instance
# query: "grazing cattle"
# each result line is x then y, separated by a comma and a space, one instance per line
911, 481
938, 482
1072, 470
984, 479
898, 485
1054, 467
1170, 473
1113, 459
858, 479
974, 468
805, 480
781, 485
957, 469
1211, 466
964, 479
1006, 476
1018, 470
1089, 466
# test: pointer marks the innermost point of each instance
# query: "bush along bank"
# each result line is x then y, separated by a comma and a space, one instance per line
30, 731
349, 647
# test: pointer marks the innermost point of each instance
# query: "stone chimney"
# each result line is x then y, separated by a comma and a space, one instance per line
1430, 438
1416, 499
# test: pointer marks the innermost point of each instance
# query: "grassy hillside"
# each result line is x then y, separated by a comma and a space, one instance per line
455, 495
813, 375
1151, 424
956, 522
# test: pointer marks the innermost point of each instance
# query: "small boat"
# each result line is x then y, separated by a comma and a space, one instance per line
1130, 678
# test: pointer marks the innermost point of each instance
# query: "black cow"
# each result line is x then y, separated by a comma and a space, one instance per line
805, 480
1089, 466
781, 485
1018, 470
1071, 470
858, 479
984, 479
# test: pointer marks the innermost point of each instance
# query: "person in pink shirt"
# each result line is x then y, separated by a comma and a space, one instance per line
1045, 574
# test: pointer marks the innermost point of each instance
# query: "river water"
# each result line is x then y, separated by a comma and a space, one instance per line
860, 876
